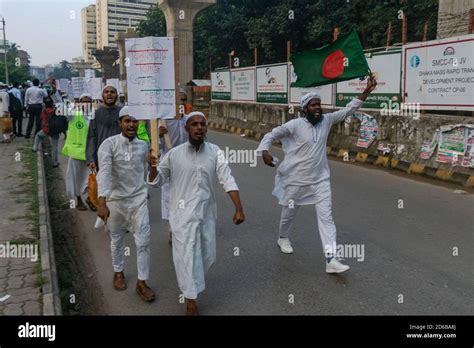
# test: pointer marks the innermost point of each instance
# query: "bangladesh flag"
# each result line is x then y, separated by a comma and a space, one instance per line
342, 60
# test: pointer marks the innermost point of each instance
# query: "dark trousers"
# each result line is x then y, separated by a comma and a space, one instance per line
35, 111
18, 123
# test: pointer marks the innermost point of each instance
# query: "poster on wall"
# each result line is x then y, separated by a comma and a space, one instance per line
428, 147
243, 84
297, 93
439, 74
367, 131
272, 84
468, 157
451, 144
387, 68
220, 85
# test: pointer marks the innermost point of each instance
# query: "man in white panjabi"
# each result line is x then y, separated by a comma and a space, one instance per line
123, 204
190, 169
303, 176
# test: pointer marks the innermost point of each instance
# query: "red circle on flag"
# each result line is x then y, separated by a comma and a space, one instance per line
333, 65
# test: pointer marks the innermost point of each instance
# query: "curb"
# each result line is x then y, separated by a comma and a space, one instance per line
465, 180
50, 289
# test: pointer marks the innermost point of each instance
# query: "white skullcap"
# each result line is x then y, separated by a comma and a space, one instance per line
307, 98
194, 113
103, 89
124, 112
85, 95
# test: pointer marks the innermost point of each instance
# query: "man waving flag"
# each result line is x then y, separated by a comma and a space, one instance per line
342, 60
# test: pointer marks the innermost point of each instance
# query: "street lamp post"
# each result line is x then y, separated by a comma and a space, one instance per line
5, 51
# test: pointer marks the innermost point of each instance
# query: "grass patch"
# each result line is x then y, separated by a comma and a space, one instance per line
40, 281
27, 191
23, 240
71, 279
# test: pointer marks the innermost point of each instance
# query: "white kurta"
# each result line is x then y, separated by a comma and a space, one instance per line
122, 178
76, 178
178, 136
193, 209
122, 181
305, 165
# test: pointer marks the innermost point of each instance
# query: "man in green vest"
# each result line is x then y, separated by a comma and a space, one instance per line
75, 148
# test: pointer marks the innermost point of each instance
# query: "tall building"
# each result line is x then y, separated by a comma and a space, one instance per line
114, 16
89, 29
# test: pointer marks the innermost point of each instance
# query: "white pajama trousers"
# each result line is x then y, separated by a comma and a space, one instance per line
326, 226
141, 235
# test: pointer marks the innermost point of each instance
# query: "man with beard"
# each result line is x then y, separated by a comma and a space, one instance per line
191, 168
104, 125
123, 203
303, 176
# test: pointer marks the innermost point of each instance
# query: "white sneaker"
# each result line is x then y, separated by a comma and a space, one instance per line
285, 245
334, 266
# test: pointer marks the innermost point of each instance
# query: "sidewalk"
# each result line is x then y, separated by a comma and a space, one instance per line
20, 266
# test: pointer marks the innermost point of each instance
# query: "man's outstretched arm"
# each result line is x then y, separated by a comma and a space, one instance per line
355, 104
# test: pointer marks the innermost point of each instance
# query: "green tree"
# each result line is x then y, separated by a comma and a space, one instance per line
18, 69
65, 70
242, 25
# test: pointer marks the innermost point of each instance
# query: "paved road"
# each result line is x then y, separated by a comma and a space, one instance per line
408, 252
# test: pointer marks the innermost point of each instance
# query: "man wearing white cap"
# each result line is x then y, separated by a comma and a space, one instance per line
303, 176
123, 204
190, 169
104, 125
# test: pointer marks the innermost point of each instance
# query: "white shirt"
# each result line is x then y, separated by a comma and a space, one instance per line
123, 166
5, 102
191, 176
35, 95
305, 164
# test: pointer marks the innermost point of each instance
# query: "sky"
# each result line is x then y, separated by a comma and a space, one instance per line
49, 30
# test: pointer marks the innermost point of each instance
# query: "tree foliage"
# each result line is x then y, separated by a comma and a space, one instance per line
65, 70
17, 72
242, 25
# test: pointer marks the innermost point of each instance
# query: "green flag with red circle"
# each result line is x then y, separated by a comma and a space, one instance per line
342, 60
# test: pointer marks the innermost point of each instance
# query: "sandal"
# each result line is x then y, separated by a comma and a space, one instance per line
81, 207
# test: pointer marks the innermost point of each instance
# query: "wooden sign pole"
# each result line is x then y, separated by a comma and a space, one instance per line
154, 137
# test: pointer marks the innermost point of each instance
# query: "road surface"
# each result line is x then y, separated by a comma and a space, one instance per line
408, 265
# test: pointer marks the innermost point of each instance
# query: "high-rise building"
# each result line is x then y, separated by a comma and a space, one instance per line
89, 29
114, 16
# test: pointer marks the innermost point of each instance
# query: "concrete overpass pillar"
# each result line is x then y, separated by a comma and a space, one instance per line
180, 16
